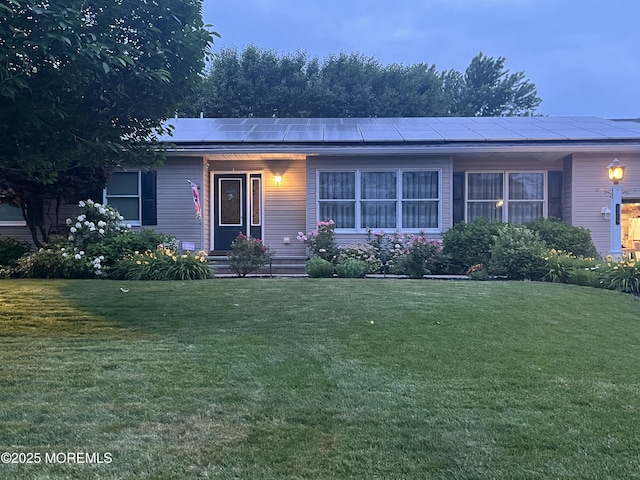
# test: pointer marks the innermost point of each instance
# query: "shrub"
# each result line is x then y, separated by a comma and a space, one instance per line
317, 267
321, 242
361, 251
60, 259
623, 276
417, 258
587, 277
161, 264
558, 266
563, 267
129, 242
386, 247
478, 272
248, 254
517, 253
95, 223
468, 244
352, 268
11, 250
560, 235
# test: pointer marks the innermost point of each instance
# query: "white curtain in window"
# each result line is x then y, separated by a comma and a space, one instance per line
420, 185
340, 187
526, 186
343, 213
379, 215
337, 186
417, 189
378, 191
419, 214
485, 186
522, 212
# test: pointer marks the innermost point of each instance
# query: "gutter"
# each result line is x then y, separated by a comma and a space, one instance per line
197, 149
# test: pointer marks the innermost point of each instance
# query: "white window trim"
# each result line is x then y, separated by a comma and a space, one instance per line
505, 192
359, 200
133, 223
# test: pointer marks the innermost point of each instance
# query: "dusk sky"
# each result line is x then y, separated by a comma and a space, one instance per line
582, 55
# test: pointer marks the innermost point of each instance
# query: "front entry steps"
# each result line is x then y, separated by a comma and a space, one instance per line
289, 265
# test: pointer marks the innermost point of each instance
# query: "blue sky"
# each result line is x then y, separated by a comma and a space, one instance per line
582, 55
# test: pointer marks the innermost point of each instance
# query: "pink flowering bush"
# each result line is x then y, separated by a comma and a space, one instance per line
416, 257
248, 254
321, 242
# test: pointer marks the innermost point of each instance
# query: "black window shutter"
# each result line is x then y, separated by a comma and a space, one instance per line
458, 197
555, 194
149, 198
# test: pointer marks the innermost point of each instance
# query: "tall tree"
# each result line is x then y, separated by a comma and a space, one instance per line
489, 90
85, 86
259, 82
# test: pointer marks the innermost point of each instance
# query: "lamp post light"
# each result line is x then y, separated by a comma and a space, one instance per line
616, 173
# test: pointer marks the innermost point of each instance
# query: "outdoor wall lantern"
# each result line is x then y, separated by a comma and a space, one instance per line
606, 213
615, 171
278, 179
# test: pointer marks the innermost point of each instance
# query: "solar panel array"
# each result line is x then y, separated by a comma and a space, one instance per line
397, 130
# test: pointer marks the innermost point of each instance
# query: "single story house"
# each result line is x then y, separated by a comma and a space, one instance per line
274, 177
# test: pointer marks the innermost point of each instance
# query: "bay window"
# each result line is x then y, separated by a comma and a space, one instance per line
388, 200
506, 196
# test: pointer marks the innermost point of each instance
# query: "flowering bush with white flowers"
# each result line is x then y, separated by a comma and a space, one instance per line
94, 223
59, 259
97, 237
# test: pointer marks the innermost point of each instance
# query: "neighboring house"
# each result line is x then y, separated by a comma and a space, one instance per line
391, 174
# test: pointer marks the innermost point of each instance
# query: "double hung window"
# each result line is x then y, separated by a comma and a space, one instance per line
391, 199
506, 196
123, 194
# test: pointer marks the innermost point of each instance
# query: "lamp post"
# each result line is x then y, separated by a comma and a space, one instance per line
616, 173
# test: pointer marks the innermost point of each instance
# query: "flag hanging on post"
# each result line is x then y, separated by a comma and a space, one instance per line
196, 199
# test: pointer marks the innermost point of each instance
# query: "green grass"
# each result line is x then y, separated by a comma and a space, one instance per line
289, 378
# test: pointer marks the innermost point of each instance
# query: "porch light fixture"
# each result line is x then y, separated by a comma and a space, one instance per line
278, 179
615, 170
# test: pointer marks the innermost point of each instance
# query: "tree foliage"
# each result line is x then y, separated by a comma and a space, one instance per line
261, 83
85, 86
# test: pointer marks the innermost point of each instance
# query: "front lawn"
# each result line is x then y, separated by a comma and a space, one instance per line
318, 378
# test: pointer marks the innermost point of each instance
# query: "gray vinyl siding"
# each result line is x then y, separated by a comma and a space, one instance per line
22, 233
591, 191
176, 214
441, 163
284, 206
19, 233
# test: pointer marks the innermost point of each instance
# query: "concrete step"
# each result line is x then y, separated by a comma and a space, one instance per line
279, 266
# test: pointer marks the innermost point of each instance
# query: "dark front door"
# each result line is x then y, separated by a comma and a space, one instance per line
237, 208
